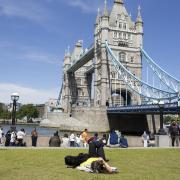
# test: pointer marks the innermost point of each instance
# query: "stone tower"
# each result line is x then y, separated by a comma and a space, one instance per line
125, 38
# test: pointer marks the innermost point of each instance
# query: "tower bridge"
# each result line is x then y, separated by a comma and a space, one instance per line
103, 85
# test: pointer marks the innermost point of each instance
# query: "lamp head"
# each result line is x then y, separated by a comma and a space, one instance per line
14, 96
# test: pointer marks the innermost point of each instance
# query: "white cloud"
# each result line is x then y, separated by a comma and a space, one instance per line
30, 10
28, 53
87, 6
27, 94
41, 57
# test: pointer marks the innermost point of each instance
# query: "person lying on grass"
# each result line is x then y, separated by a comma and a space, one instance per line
96, 165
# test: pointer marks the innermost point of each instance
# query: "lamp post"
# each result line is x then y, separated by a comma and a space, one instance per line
14, 98
161, 130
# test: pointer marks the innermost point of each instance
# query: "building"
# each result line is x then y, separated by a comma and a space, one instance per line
97, 82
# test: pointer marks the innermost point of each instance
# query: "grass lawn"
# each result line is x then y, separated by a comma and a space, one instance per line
48, 164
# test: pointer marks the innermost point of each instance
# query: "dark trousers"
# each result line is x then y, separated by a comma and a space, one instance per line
96, 149
72, 144
175, 139
34, 141
20, 142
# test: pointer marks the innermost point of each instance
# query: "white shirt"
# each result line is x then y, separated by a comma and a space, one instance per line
72, 137
20, 135
65, 142
1, 133
13, 137
78, 140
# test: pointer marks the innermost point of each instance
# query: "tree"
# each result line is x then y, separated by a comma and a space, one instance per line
4, 113
28, 111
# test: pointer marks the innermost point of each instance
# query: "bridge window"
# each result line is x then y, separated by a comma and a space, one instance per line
122, 56
120, 35
78, 81
120, 25
79, 91
113, 74
123, 44
132, 59
124, 36
124, 26
115, 34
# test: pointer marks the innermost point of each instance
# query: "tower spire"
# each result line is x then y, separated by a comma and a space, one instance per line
98, 15
119, 1
139, 17
105, 8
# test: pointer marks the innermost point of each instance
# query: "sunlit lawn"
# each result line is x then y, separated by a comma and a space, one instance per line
48, 164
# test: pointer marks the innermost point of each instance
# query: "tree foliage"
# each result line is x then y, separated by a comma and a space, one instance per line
4, 113
28, 111
170, 118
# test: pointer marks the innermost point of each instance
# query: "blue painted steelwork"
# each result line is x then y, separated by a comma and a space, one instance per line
60, 95
170, 81
137, 85
169, 108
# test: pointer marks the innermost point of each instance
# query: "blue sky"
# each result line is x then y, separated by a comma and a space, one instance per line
35, 33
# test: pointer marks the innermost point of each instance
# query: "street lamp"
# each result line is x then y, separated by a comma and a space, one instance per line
14, 98
161, 130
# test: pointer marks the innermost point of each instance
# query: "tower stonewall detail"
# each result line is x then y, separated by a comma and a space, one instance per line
90, 82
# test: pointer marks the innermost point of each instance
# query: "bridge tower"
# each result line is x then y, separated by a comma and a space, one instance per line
90, 79
125, 38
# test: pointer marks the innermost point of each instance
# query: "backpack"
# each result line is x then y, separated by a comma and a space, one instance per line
74, 161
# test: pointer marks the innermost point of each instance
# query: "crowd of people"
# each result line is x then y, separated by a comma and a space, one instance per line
113, 139
14, 137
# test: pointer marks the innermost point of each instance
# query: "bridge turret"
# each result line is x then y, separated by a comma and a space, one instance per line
101, 61
104, 23
96, 25
119, 1
139, 28
78, 50
105, 13
67, 60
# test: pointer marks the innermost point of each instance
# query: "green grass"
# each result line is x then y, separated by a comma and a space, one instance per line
48, 164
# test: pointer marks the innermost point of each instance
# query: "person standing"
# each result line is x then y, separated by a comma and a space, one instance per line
178, 125
20, 137
13, 138
85, 137
173, 132
145, 138
55, 140
1, 135
65, 141
8, 137
34, 136
72, 140
78, 140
